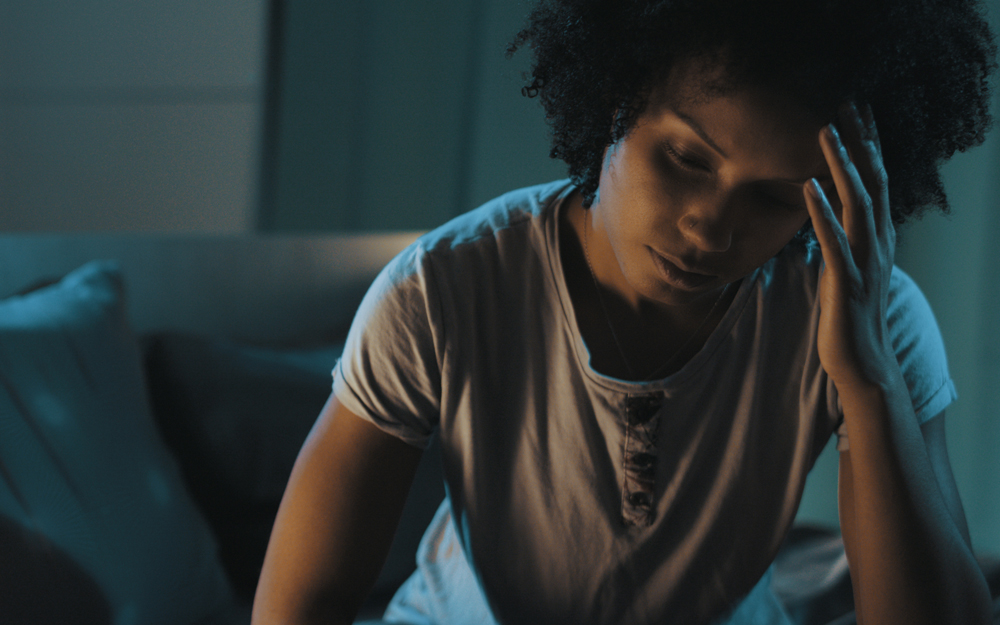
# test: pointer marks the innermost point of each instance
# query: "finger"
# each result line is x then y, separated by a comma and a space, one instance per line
879, 186
857, 216
832, 237
861, 138
868, 121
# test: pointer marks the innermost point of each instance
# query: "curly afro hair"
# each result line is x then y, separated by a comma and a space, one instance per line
922, 65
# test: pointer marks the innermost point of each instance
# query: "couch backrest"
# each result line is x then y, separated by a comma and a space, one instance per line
280, 289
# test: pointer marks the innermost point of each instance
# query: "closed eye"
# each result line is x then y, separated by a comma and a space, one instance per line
683, 160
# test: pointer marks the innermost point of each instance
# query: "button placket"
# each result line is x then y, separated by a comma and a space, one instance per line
642, 420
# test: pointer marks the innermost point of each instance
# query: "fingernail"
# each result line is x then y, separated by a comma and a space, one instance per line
832, 131
815, 189
866, 114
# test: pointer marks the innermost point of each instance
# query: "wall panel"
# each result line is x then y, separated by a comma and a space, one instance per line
118, 115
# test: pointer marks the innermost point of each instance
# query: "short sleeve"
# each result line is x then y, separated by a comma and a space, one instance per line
389, 373
919, 348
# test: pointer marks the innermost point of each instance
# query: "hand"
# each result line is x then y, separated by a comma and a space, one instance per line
858, 251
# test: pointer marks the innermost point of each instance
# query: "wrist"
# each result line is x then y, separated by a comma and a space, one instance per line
866, 364
877, 381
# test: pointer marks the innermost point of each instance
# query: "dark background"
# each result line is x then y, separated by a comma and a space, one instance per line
252, 117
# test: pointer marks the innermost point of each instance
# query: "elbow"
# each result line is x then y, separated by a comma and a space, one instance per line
973, 593
967, 598
980, 604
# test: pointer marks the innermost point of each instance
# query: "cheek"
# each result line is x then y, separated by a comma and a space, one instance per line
765, 235
640, 208
778, 235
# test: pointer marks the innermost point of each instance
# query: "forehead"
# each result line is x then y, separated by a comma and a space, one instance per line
744, 120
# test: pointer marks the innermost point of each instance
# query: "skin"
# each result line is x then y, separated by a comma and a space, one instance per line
729, 193
721, 207
903, 525
335, 523
703, 181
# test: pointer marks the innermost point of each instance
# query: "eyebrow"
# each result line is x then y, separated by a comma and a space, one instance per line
698, 130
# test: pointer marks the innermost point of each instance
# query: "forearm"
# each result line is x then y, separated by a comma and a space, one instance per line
909, 561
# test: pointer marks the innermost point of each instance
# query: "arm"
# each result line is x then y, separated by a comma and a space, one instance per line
336, 521
926, 531
903, 527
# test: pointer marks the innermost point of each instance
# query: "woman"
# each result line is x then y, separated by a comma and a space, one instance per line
633, 371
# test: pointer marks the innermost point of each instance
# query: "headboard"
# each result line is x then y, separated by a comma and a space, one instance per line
268, 289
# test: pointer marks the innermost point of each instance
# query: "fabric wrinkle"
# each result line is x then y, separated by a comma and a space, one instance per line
577, 497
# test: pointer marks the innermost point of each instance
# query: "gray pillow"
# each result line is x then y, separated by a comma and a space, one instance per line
236, 416
82, 464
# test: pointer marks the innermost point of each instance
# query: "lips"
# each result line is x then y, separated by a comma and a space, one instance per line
677, 277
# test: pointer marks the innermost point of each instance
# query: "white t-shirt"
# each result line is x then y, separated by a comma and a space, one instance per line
581, 498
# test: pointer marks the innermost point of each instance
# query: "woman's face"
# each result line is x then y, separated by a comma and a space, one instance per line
703, 189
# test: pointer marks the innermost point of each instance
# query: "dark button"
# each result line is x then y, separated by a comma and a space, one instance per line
641, 408
644, 461
639, 500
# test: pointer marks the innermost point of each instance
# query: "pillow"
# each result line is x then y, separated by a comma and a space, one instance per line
235, 417
34, 572
82, 464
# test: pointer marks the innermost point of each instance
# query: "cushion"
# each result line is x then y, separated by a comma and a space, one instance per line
235, 417
42, 571
86, 484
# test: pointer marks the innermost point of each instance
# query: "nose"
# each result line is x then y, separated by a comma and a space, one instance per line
707, 226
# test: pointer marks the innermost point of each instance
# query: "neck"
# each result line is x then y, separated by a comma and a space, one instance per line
629, 337
628, 305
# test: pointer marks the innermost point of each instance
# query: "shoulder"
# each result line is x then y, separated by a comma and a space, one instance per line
907, 304
516, 209
427, 298
916, 339
511, 224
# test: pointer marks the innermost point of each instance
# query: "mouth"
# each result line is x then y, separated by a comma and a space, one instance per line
673, 275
